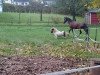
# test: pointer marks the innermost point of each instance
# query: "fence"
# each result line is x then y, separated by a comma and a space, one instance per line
79, 71
11, 18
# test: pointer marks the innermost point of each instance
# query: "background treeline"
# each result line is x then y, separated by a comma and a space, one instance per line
73, 7
34, 7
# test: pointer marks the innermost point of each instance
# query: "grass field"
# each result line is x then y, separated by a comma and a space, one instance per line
32, 40
27, 17
36, 39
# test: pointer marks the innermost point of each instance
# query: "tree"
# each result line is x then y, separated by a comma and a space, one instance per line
74, 7
95, 4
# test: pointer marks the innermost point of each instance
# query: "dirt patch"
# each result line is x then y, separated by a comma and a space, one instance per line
18, 65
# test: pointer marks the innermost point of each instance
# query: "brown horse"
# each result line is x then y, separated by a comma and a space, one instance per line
75, 25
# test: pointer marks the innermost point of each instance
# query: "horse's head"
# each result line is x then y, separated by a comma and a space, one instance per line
67, 19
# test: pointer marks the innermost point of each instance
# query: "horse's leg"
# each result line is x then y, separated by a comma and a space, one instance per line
86, 31
70, 30
73, 34
80, 31
87, 34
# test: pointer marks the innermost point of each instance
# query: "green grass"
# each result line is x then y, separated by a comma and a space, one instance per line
24, 17
38, 35
27, 17
36, 39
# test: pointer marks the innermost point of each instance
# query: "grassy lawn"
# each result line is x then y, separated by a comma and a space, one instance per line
32, 40
33, 17
36, 39
38, 35
25, 17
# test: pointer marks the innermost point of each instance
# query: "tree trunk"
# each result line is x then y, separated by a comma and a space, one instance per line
73, 12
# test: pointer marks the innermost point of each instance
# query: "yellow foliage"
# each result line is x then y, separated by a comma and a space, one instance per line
95, 4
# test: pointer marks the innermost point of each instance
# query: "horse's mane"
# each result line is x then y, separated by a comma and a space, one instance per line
68, 19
